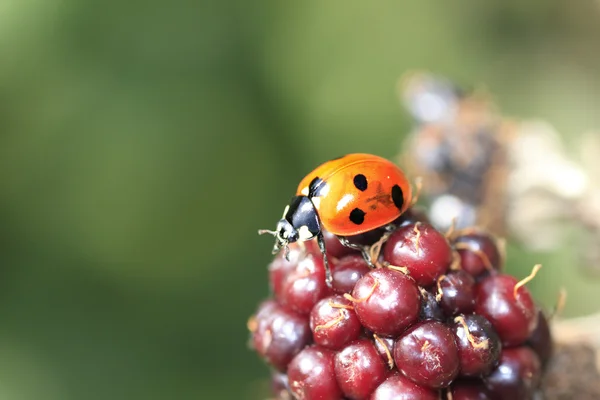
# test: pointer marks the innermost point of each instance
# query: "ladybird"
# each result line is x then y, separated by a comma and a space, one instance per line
346, 196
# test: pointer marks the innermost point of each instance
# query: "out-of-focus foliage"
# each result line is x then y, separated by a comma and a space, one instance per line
142, 144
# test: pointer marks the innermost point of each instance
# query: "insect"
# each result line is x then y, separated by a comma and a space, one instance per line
346, 196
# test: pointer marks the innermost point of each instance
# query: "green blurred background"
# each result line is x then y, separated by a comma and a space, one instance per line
143, 143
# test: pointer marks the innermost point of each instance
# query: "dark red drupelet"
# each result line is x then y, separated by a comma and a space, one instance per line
397, 386
423, 250
427, 354
335, 249
540, 339
456, 292
386, 301
430, 307
385, 347
359, 369
280, 386
478, 345
278, 333
347, 271
334, 323
311, 375
280, 268
518, 375
468, 390
513, 314
479, 252
305, 284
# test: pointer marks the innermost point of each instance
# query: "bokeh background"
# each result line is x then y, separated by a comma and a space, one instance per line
143, 143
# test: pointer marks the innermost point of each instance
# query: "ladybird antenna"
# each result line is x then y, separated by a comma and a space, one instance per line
263, 231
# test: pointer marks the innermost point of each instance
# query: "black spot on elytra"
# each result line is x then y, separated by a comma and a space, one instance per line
316, 186
397, 196
360, 181
357, 216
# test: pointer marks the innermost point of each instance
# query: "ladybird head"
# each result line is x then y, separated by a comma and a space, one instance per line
285, 233
299, 222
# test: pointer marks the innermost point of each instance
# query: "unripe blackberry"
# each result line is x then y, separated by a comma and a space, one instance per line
425, 317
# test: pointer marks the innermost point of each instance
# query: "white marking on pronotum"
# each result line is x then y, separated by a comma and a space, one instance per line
304, 233
304, 191
316, 202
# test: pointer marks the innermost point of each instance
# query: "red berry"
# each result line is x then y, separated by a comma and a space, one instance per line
420, 248
469, 390
386, 301
479, 346
456, 292
335, 248
517, 375
279, 385
412, 326
540, 339
305, 285
280, 268
311, 375
359, 369
430, 308
513, 316
347, 271
278, 333
479, 253
427, 354
334, 323
398, 387
385, 346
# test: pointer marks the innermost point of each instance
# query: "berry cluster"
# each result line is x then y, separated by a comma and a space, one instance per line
436, 319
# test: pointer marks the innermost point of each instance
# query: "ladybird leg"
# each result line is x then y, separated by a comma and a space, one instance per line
363, 249
375, 248
321, 242
418, 187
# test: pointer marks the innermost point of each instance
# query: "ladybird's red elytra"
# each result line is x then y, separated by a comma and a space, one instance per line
346, 196
356, 193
